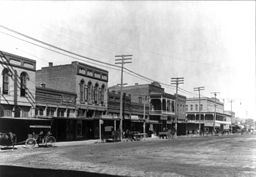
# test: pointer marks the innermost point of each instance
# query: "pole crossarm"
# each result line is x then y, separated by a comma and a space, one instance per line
215, 94
176, 81
122, 59
199, 109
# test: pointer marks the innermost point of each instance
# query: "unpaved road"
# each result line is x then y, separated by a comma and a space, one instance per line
233, 155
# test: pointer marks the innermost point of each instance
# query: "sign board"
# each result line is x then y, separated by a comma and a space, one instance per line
134, 117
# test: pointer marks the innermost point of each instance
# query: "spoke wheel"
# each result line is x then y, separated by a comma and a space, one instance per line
50, 141
30, 143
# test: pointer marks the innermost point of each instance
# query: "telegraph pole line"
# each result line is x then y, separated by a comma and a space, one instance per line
199, 89
176, 81
215, 94
122, 59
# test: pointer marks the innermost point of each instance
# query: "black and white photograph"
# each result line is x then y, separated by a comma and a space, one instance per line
127, 88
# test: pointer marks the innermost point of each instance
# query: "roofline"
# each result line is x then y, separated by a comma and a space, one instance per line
54, 90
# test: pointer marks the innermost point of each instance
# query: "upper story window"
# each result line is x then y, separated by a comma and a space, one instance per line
102, 92
81, 91
5, 74
89, 92
96, 93
140, 99
186, 107
23, 83
201, 107
191, 107
196, 107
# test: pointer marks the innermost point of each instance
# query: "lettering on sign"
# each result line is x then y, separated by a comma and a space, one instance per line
15, 62
104, 77
97, 75
89, 73
81, 71
28, 65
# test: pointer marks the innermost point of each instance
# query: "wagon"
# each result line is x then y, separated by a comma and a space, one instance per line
41, 136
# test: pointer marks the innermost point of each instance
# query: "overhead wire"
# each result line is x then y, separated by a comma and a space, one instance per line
112, 66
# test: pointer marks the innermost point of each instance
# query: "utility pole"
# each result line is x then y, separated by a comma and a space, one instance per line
231, 101
215, 94
176, 81
122, 59
199, 89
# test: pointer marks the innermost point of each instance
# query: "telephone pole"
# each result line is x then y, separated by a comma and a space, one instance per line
215, 94
231, 101
122, 59
199, 89
176, 81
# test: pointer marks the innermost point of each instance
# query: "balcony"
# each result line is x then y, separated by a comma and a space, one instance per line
160, 112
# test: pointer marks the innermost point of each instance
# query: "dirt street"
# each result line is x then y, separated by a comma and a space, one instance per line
233, 155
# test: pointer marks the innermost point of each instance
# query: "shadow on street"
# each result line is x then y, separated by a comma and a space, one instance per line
14, 171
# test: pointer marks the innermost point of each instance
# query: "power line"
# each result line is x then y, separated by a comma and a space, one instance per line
78, 55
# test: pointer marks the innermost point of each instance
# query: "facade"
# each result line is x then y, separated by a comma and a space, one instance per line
59, 107
209, 107
134, 115
90, 86
161, 105
17, 98
17, 85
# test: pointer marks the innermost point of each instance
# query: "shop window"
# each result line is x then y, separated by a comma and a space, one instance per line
8, 113
24, 113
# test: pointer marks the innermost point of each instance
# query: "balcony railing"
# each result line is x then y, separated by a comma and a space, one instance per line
160, 112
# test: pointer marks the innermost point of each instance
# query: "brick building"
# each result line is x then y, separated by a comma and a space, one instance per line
161, 106
90, 86
135, 114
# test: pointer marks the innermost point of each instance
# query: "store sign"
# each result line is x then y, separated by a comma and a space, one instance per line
106, 116
89, 73
134, 117
81, 71
97, 75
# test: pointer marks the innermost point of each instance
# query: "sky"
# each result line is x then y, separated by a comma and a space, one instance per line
209, 43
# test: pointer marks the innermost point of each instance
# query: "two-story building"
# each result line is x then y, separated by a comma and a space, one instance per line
134, 114
17, 97
59, 107
90, 86
161, 105
211, 115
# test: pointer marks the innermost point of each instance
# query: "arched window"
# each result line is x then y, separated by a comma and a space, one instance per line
23, 83
82, 91
102, 92
5, 74
89, 92
96, 93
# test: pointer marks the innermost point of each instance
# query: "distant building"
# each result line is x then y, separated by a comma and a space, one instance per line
133, 112
161, 106
90, 86
207, 111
